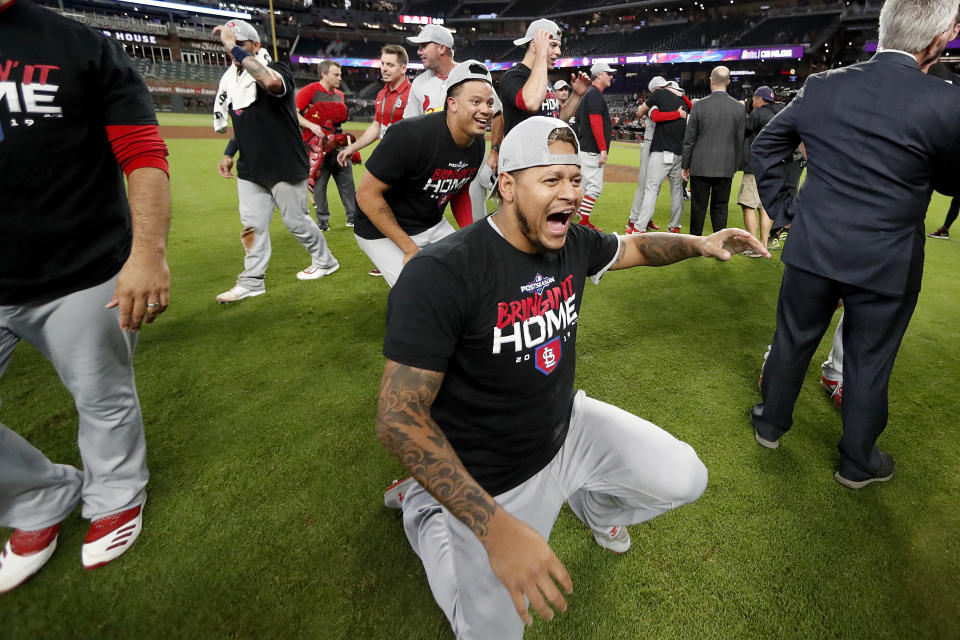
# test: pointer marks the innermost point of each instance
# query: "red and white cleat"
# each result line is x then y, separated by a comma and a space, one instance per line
24, 554
834, 388
111, 536
616, 539
393, 496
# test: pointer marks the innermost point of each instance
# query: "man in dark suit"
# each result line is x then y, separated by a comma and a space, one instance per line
857, 232
711, 152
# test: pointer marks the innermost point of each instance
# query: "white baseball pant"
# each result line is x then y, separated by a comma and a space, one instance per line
662, 164
94, 358
256, 210
614, 469
388, 257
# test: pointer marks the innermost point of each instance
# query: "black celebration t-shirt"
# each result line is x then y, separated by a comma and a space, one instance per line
502, 326
511, 86
268, 135
424, 167
668, 136
64, 218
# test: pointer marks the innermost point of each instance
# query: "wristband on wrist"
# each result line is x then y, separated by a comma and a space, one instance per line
495, 147
239, 53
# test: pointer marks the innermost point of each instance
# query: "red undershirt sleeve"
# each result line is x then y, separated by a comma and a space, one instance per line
596, 126
136, 146
660, 116
520, 103
687, 102
462, 209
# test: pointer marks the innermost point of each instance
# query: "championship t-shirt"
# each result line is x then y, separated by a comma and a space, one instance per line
424, 168
64, 218
268, 136
514, 109
669, 134
502, 326
593, 103
428, 93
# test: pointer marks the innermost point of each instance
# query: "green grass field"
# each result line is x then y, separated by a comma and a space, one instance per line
265, 515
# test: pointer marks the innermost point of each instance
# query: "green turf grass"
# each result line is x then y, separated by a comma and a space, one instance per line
265, 514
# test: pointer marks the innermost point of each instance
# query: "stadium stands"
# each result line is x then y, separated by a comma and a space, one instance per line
788, 29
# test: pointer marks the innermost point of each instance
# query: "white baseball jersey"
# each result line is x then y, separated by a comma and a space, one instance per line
428, 93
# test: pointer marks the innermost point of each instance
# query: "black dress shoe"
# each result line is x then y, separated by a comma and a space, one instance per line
884, 473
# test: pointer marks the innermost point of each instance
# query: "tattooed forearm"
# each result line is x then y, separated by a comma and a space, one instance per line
405, 427
659, 249
261, 74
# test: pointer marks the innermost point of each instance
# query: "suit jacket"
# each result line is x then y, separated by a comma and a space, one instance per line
880, 136
711, 146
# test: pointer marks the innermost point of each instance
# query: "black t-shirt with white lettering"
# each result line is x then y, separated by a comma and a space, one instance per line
64, 218
424, 168
511, 86
668, 136
268, 135
502, 326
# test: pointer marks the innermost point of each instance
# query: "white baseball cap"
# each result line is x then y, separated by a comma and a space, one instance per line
433, 33
245, 30
539, 25
601, 66
656, 82
527, 146
560, 84
468, 70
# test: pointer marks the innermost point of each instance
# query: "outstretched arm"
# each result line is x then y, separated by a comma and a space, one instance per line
519, 556
369, 135
660, 249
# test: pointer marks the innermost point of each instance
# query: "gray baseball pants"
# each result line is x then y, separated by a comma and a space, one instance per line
642, 174
256, 210
94, 358
343, 177
657, 170
613, 469
832, 367
388, 257
480, 188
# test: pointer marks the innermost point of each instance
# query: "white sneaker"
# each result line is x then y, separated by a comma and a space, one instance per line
393, 496
109, 537
238, 293
616, 539
36, 547
315, 273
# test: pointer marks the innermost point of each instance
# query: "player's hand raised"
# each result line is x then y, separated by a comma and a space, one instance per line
580, 82
526, 565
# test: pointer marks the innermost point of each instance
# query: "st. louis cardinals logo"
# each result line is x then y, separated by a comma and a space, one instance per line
537, 324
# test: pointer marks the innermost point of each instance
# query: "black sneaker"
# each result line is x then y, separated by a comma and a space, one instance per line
324, 226
942, 234
884, 473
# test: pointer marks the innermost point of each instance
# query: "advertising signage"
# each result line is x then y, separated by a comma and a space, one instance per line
706, 55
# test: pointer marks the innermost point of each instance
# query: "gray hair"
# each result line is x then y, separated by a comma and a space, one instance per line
910, 25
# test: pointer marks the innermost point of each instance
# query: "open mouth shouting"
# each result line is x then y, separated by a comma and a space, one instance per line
559, 221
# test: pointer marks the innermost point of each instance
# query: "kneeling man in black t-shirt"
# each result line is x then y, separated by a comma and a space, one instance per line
477, 398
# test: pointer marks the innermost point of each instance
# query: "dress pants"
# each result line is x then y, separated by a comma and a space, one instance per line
712, 191
873, 327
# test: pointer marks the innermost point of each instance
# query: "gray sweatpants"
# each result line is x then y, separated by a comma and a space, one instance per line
256, 210
94, 358
657, 170
614, 469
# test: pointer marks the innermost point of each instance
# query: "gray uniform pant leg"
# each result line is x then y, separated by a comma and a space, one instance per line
94, 359
676, 194
657, 170
832, 367
641, 182
256, 210
343, 177
614, 469
480, 188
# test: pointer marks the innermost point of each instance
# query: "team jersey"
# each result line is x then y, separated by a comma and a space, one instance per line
424, 167
514, 109
64, 219
502, 326
593, 124
428, 93
391, 105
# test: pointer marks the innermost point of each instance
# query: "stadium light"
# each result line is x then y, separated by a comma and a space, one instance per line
178, 6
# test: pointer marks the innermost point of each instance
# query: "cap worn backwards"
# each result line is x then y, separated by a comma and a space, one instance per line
468, 70
244, 30
527, 145
539, 25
